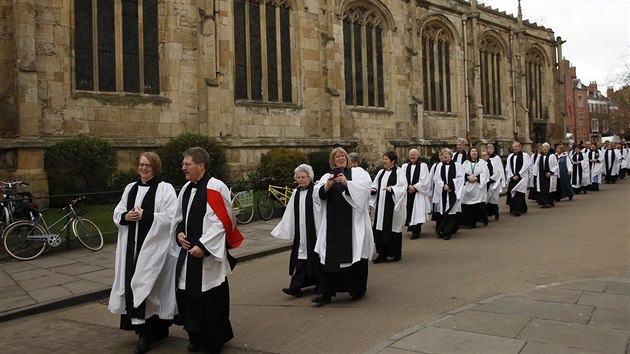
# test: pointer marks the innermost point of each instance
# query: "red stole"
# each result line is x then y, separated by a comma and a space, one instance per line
233, 236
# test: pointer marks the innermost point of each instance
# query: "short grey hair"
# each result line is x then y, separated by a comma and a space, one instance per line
461, 140
446, 151
353, 156
546, 145
304, 168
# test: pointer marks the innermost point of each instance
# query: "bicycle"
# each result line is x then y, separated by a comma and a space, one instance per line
267, 202
14, 204
243, 205
27, 239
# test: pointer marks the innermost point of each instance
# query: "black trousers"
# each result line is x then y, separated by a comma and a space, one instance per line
517, 203
300, 279
153, 327
393, 249
352, 279
206, 316
446, 224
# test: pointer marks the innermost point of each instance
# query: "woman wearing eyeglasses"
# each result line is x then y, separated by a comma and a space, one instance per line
144, 280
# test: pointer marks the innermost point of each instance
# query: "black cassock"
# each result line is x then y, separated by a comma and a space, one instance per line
339, 226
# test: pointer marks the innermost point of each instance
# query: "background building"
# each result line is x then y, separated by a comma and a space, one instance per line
577, 122
373, 75
621, 121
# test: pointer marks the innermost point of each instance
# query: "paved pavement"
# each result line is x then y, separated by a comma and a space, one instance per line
587, 316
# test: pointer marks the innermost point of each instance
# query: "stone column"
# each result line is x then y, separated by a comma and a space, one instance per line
27, 97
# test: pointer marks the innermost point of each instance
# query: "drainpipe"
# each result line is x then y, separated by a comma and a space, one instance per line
467, 104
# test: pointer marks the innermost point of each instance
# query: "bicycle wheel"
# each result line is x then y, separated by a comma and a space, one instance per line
243, 206
17, 246
87, 233
266, 206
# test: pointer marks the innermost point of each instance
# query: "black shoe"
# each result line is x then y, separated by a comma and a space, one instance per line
194, 347
396, 259
496, 217
292, 292
379, 259
447, 236
322, 299
143, 346
485, 222
414, 236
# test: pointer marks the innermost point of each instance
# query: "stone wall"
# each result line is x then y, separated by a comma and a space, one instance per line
39, 104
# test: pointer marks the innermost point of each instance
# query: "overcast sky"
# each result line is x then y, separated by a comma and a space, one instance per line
597, 33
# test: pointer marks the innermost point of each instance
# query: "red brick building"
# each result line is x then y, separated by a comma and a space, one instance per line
577, 121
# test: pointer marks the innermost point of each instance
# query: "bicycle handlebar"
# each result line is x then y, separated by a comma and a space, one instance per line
14, 183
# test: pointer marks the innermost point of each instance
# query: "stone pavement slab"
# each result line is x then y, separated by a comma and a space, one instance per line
495, 324
544, 348
568, 296
611, 317
439, 340
540, 309
50, 293
605, 300
76, 269
614, 287
587, 285
576, 335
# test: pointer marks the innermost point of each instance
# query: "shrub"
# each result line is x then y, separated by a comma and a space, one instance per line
122, 178
79, 165
319, 161
171, 156
280, 164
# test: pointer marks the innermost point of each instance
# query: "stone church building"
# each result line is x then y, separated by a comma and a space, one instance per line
372, 75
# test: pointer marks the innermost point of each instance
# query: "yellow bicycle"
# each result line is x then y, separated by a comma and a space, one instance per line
267, 203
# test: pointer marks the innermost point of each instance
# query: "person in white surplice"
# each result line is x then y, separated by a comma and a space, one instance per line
144, 277
389, 200
418, 193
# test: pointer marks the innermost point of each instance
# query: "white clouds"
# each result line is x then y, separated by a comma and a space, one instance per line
597, 32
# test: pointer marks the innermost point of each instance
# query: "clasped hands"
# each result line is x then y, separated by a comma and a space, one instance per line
134, 214
194, 251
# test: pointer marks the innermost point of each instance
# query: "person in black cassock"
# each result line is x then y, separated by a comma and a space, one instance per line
389, 200
143, 291
300, 221
418, 193
546, 171
344, 241
448, 186
205, 226
565, 172
517, 175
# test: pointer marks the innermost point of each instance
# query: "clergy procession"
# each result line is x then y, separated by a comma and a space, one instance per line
173, 251
342, 219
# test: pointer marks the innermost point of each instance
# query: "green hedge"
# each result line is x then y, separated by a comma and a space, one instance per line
79, 165
279, 164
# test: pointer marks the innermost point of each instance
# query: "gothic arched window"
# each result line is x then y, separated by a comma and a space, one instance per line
101, 32
262, 50
534, 63
490, 62
363, 57
436, 67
